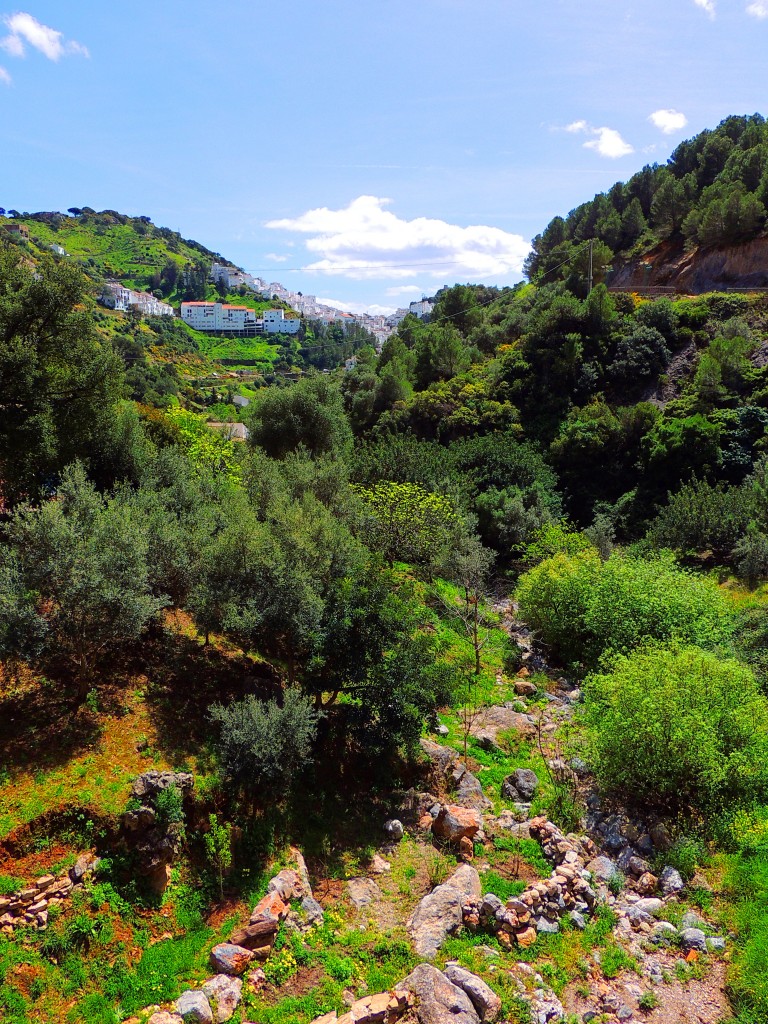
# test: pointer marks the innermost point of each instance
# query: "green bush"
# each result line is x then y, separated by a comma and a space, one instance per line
677, 727
584, 607
264, 742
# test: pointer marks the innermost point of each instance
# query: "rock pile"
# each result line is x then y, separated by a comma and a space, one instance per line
541, 906
382, 1008
258, 936
29, 907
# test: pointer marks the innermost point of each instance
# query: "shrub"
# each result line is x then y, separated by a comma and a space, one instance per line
264, 742
584, 607
677, 727
685, 854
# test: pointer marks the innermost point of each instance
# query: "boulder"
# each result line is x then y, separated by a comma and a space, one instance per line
270, 906
438, 1000
394, 830
650, 905
671, 881
465, 880
437, 915
227, 958
693, 938
194, 1008
224, 994
164, 1017
484, 999
520, 785
151, 783
469, 792
492, 721
363, 891
255, 935
312, 910
525, 688
287, 885
454, 822
441, 758
602, 868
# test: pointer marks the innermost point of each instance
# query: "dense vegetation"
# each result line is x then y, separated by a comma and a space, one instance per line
712, 191
301, 607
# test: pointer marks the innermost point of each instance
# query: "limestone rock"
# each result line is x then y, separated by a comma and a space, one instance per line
498, 719
394, 830
671, 881
693, 938
194, 1008
520, 785
484, 999
469, 792
438, 1000
441, 758
224, 994
454, 822
438, 915
363, 891
465, 880
227, 958
164, 1017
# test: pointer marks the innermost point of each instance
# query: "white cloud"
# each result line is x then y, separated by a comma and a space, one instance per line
364, 241
405, 289
275, 257
13, 46
49, 41
758, 9
706, 5
609, 143
357, 307
668, 121
4, 76
606, 141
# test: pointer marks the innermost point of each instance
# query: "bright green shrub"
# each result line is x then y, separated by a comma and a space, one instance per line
678, 727
584, 608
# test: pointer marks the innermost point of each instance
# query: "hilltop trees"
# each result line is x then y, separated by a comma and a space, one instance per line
58, 380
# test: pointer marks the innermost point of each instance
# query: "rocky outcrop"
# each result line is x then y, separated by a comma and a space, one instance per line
155, 841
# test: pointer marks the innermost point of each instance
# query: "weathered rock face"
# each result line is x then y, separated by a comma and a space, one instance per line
484, 999
438, 1000
520, 785
156, 843
698, 270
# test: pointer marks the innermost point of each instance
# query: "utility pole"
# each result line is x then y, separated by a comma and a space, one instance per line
589, 282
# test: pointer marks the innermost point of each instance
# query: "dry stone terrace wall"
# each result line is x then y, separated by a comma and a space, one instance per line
29, 907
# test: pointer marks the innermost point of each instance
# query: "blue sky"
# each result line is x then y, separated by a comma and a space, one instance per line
363, 152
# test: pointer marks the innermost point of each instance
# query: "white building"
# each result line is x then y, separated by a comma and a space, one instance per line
421, 309
220, 317
276, 322
116, 296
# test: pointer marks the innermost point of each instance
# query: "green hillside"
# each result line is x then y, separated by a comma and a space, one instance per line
713, 191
